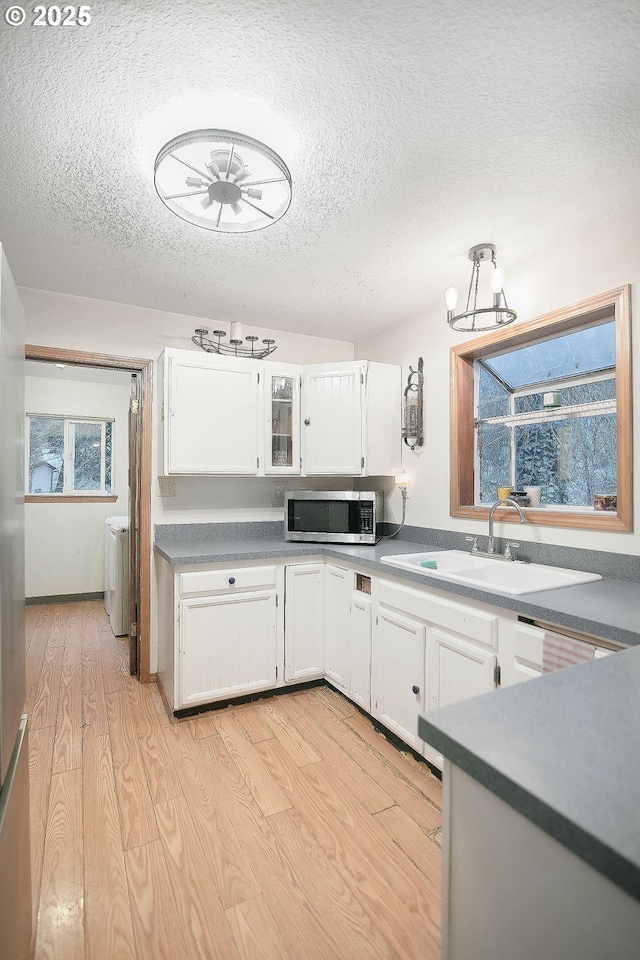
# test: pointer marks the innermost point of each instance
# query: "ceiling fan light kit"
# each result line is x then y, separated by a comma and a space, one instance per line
223, 181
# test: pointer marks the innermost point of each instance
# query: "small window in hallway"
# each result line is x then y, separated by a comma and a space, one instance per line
69, 456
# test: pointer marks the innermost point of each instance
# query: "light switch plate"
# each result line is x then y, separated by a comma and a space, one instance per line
166, 487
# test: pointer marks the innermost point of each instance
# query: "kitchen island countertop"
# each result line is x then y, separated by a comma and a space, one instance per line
563, 752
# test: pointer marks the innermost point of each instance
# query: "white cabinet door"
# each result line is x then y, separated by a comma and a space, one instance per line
521, 648
337, 597
397, 673
332, 419
303, 621
211, 416
227, 646
456, 668
360, 646
281, 419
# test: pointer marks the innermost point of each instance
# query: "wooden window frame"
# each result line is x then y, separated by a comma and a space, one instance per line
462, 403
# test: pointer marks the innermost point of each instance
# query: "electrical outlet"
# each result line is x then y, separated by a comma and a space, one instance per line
278, 495
166, 487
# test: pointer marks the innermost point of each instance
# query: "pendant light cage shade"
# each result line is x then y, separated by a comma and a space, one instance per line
223, 181
477, 319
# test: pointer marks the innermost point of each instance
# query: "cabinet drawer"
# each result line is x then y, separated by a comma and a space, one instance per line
479, 625
201, 582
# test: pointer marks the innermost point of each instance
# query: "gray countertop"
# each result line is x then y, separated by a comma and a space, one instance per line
564, 752
606, 608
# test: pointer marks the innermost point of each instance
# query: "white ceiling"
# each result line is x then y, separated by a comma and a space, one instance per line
412, 130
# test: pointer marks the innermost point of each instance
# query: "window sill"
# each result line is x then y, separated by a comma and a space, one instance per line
583, 518
70, 498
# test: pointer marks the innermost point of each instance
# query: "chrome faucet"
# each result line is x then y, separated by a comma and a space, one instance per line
491, 543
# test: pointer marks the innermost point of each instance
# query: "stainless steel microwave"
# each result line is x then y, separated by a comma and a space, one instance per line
332, 516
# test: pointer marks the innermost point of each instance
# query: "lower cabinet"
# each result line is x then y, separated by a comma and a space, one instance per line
360, 648
397, 676
347, 635
428, 650
227, 646
456, 669
304, 622
394, 649
337, 633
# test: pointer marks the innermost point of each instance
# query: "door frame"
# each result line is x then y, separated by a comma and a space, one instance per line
144, 369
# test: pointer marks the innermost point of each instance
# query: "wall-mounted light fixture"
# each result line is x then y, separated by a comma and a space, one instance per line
475, 319
401, 479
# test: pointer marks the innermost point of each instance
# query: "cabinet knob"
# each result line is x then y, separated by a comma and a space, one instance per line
415, 688
232, 579
307, 421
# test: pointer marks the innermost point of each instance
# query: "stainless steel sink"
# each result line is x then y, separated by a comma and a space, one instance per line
505, 577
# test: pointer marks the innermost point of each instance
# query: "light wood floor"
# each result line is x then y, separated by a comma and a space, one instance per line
287, 828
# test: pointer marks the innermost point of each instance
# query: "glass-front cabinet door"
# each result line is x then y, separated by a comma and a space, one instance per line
282, 406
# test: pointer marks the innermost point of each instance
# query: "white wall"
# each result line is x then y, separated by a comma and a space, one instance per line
65, 541
606, 257
99, 326
79, 323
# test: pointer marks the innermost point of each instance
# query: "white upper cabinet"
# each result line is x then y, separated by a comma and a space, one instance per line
281, 416
332, 411
241, 417
210, 415
351, 419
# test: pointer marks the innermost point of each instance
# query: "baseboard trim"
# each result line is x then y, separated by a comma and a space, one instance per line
188, 712
393, 739
64, 598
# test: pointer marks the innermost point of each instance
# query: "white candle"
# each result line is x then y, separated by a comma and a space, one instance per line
236, 330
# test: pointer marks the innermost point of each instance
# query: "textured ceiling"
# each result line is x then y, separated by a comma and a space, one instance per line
412, 131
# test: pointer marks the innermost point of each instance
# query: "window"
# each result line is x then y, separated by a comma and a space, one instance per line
69, 456
548, 404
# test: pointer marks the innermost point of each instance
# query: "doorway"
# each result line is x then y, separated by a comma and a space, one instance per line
140, 432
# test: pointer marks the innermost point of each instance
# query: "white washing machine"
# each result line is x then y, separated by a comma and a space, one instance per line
116, 574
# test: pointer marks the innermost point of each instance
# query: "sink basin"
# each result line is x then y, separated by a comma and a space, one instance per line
512, 577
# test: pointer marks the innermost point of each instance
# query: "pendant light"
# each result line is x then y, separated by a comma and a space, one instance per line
476, 319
